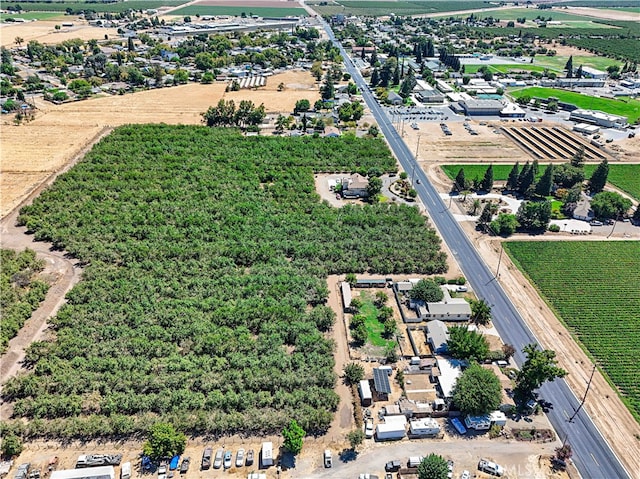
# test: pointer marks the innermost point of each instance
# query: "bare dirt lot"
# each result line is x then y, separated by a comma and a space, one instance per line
33, 151
44, 31
608, 14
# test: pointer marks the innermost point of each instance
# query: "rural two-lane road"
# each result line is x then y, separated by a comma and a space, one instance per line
591, 454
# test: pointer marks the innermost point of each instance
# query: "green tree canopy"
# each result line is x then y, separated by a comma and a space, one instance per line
427, 290
164, 441
608, 204
353, 373
464, 343
566, 176
477, 391
293, 437
480, 311
540, 366
543, 186
487, 182
460, 183
512, 181
599, 177
355, 438
534, 215
302, 105
11, 445
505, 224
374, 187
433, 467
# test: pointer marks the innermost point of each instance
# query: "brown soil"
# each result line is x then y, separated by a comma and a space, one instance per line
34, 150
607, 14
44, 31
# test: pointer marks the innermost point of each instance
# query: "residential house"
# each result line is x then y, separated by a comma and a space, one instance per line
583, 209
355, 186
437, 336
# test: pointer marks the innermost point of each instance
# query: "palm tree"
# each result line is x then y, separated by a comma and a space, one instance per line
474, 206
19, 41
480, 312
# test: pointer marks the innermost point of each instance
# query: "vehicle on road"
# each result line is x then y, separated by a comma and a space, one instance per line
418, 181
240, 458
227, 459
249, 460
184, 467
490, 467
596, 223
206, 458
328, 459
217, 462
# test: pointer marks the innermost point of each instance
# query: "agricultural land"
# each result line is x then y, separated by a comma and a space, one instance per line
592, 286
98, 7
626, 177
384, 8
148, 210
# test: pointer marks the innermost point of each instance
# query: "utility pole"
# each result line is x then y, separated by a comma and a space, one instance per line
499, 260
584, 398
417, 148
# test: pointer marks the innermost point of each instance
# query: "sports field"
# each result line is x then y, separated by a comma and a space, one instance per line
558, 63
593, 288
629, 108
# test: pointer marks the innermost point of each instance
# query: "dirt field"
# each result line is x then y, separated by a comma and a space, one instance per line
611, 14
44, 31
31, 152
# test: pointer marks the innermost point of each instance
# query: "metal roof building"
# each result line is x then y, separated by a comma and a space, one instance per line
101, 472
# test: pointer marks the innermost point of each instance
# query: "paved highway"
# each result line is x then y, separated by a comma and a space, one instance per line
591, 454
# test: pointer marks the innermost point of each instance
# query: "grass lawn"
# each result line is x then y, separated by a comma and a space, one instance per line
517, 67
32, 16
235, 11
625, 177
629, 109
558, 63
374, 327
593, 288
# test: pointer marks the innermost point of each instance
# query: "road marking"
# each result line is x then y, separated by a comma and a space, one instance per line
594, 459
564, 411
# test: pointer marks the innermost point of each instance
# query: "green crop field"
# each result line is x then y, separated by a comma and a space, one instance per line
593, 288
532, 13
625, 177
202, 300
383, 7
629, 109
558, 63
32, 16
517, 67
61, 6
237, 11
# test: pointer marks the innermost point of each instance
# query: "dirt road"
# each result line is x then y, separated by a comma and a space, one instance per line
605, 407
63, 271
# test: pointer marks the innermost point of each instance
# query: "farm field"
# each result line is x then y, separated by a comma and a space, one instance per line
259, 8
44, 31
35, 150
225, 245
629, 109
116, 7
532, 13
625, 177
33, 16
558, 63
592, 286
382, 8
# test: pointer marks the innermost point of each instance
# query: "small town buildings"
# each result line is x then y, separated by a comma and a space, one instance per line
449, 372
448, 309
355, 186
381, 383
426, 426
437, 336
589, 72
583, 209
394, 98
599, 118
331, 132
586, 128
426, 93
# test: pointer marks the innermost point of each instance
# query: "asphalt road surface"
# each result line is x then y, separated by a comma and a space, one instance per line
591, 454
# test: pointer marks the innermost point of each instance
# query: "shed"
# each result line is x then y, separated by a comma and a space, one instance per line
365, 393
381, 382
266, 454
437, 336
101, 472
371, 283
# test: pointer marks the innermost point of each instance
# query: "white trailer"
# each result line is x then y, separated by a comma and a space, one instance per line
266, 455
424, 427
365, 393
390, 431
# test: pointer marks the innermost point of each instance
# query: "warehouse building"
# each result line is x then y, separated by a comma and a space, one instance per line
102, 472
599, 118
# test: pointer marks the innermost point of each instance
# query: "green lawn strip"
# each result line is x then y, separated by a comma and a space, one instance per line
237, 11
374, 327
625, 177
629, 109
516, 68
33, 16
592, 286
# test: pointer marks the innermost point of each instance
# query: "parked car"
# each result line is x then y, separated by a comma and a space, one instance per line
465, 475
450, 469
490, 467
206, 458
596, 223
240, 458
162, 472
173, 464
462, 289
368, 429
249, 460
328, 459
393, 466
184, 467
227, 459
217, 462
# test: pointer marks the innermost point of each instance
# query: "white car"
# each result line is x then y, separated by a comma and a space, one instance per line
465, 475
368, 429
240, 458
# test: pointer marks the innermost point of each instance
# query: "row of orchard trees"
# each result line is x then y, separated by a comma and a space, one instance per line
201, 303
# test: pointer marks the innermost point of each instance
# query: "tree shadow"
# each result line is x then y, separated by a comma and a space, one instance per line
348, 455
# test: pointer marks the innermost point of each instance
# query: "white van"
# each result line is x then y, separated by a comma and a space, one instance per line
125, 471
414, 461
